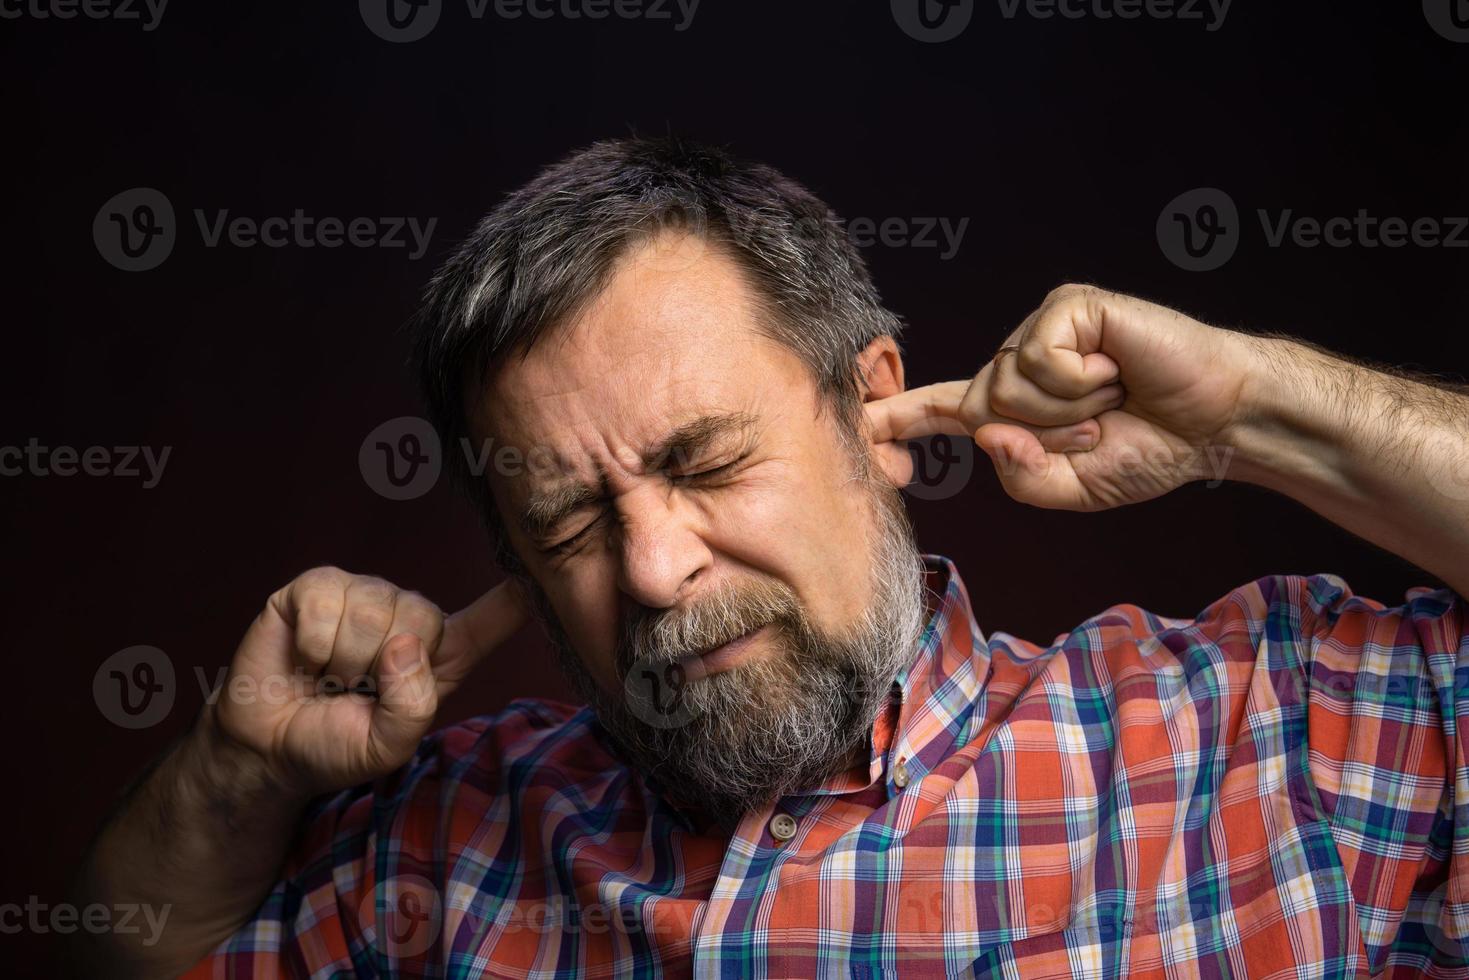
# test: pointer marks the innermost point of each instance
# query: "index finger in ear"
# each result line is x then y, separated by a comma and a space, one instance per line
485, 623
926, 411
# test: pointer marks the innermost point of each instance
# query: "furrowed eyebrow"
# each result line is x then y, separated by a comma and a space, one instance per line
695, 437
548, 508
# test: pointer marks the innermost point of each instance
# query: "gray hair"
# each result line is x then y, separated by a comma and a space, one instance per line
549, 248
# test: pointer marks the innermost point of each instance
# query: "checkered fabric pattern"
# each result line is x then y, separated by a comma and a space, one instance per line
1276, 787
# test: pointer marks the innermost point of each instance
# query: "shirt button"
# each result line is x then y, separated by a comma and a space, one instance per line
900, 774
782, 826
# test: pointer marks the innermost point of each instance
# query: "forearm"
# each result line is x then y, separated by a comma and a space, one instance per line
1383, 456
195, 847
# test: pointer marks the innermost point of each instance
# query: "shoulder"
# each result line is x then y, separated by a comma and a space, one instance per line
527, 734
469, 765
1235, 627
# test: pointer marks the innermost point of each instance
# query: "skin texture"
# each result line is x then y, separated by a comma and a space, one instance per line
1109, 400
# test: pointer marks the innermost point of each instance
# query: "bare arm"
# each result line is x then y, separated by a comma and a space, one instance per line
195, 846
1381, 454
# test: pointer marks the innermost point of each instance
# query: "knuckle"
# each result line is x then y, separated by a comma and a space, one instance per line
320, 577
419, 615
1003, 397
1030, 357
321, 608
370, 616
1064, 292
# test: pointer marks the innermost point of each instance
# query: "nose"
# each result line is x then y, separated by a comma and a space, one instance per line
662, 552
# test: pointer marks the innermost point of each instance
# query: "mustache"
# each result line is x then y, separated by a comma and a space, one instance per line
727, 613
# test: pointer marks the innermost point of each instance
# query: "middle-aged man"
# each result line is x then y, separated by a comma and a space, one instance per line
801, 755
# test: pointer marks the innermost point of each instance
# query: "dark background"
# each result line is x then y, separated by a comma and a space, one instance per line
264, 368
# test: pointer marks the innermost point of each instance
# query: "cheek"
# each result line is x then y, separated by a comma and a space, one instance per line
585, 601
803, 529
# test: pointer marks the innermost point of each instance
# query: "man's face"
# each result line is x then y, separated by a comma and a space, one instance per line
684, 484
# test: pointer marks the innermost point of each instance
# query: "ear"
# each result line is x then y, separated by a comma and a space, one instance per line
880, 375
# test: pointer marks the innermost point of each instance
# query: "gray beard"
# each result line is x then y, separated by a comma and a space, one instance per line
733, 741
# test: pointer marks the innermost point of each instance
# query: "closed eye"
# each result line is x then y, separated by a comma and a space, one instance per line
709, 474
568, 545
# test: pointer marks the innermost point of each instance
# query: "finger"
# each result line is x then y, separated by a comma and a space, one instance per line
1028, 473
1078, 437
1016, 396
406, 702
927, 411
366, 618
483, 625
312, 605
1062, 352
413, 613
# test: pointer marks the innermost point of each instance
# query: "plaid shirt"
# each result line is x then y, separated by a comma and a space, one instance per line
1277, 787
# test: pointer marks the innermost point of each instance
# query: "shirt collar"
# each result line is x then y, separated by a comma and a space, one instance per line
931, 705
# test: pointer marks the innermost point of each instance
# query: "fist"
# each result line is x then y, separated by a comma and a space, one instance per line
340, 675
1096, 400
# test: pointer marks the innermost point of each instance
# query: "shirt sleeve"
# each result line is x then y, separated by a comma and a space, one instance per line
319, 917
1386, 690
359, 892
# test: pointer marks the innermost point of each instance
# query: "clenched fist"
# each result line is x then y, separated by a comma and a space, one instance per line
338, 678
1095, 401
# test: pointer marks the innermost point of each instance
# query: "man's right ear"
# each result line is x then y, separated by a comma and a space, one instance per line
879, 376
